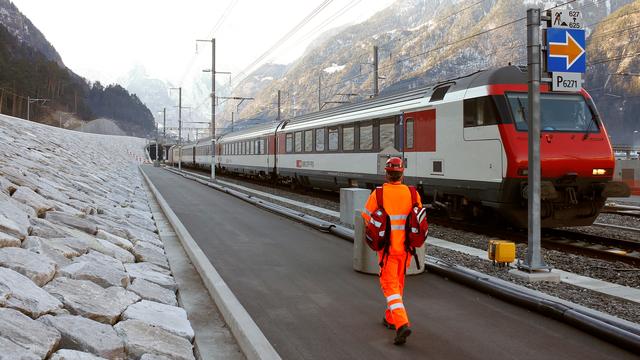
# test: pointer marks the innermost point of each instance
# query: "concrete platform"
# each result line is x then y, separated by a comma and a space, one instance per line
536, 276
298, 285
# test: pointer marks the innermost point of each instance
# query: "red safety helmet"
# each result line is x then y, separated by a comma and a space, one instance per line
394, 164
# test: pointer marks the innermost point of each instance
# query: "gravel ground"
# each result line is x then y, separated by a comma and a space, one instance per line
608, 304
614, 272
612, 219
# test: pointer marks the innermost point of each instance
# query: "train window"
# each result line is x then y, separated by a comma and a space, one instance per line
297, 141
437, 166
289, 143
308, 141
347, 138
366, 137
387, 135
262, 146
559, 112
480, 111
333, 139
409, 139
320, 139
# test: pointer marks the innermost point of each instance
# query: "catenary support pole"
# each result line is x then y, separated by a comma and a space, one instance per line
180, 128
533, 260
319, 91
164, 133
213, 108
279, 106
375, 71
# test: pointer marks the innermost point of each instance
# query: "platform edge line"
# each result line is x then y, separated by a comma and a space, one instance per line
252, 341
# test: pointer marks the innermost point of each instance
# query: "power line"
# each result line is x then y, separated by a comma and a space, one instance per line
216, 27
288, 35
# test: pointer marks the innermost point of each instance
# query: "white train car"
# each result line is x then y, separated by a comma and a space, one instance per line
203, 153
248, 151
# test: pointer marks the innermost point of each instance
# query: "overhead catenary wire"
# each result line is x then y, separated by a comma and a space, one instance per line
223, 17
288, 35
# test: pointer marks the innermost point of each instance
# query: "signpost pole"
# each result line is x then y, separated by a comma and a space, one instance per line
533, 260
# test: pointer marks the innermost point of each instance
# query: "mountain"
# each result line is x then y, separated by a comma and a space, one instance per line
613, 50
35, 83
157, 94
25, 32
420, 42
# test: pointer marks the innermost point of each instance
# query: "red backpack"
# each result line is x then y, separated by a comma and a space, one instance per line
416, 226
378, 232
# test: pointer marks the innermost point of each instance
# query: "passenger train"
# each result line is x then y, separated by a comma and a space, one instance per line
464, 143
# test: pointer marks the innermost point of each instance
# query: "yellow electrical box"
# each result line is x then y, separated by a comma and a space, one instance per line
501, 251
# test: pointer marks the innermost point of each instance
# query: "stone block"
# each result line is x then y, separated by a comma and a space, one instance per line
170, 318
46, 229
34, 200
152, 273
153, 292
72, 221
114, 239
7, 240
25, 295
13, 220
66, 354
83, 297
147, 252
27, 333
80, 333
141, 338
56, 252
10, 351
39, 268
97, 267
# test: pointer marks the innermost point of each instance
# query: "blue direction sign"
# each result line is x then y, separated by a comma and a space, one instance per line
566, 50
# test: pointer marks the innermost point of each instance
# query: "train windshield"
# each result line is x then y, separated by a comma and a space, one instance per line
558, 112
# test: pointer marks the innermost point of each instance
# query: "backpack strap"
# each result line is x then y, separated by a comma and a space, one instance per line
379, 197
414, 195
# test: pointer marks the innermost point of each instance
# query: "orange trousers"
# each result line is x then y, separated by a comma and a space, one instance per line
392, 284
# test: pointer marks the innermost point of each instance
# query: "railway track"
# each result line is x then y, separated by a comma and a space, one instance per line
627, 210
605, 248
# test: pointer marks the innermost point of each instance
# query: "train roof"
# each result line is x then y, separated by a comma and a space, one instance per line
393, 104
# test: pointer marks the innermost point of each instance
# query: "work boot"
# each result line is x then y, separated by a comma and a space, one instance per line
402, 334
387, 324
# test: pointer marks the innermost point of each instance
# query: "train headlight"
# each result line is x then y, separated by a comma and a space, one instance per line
523, 172
600, 172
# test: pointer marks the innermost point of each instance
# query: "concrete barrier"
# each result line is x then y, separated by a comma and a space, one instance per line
250, 338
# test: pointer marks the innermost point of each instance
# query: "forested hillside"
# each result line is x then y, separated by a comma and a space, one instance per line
30, 68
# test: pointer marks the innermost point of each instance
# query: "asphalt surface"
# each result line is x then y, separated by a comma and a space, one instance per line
299, 287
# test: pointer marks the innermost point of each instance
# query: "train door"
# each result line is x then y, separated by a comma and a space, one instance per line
420, 144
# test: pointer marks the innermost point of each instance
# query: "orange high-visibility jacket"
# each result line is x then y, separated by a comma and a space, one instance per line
397, 203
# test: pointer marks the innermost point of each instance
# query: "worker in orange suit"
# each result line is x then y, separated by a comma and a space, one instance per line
395, 260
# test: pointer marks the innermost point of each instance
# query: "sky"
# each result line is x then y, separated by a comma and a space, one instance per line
103, 40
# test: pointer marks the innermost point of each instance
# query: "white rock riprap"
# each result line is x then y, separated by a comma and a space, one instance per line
79, 248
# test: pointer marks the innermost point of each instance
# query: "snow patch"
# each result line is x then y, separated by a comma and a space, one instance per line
334, 68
